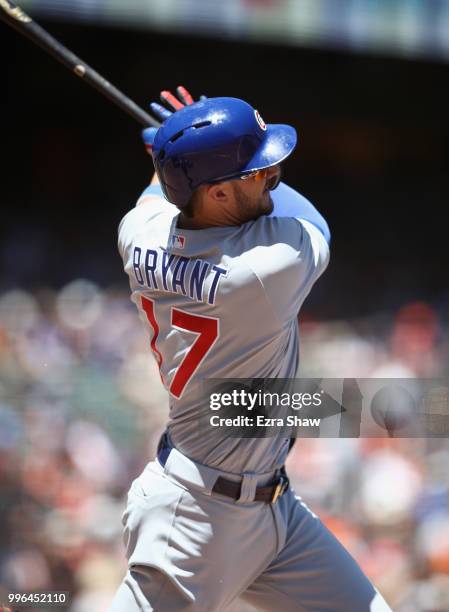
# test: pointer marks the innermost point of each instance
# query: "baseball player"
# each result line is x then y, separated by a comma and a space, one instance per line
220, 256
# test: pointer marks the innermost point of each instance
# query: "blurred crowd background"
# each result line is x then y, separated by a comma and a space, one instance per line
82, 407
81, 404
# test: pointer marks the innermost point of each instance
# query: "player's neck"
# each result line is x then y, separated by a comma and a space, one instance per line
195, 223
189, 223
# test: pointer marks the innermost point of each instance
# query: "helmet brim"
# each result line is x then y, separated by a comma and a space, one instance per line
279, 143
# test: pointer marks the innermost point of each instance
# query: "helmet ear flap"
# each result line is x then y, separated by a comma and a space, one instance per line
157, 158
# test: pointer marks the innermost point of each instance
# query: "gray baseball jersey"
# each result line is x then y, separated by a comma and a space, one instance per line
220, 302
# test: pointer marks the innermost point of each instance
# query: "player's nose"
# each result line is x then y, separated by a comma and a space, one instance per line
272, 171
273, 177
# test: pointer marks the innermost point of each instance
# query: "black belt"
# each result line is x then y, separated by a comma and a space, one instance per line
269, 493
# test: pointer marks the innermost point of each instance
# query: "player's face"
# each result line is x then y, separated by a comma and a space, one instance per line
253, 194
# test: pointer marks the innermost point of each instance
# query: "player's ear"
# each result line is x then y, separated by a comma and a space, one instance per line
220, 192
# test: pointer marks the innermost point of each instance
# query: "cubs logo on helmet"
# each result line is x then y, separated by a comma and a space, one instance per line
260, 121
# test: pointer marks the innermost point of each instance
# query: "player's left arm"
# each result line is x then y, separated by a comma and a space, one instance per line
289, 203
299, 237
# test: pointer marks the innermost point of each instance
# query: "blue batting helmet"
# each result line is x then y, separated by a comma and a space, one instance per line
216, 139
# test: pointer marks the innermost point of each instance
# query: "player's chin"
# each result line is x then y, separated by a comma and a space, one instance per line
264, 206
267, 203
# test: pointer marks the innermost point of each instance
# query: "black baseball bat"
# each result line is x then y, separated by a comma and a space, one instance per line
15, 17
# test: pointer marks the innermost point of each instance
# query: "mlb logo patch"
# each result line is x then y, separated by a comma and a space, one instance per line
178, 241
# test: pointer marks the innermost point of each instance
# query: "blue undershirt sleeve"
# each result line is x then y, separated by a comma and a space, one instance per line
289, 203
152, 190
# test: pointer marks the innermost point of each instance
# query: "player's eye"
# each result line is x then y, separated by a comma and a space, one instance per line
259, 175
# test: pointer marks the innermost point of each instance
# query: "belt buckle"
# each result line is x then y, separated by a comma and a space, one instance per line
280, 489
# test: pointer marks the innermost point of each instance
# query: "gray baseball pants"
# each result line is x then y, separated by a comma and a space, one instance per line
189, 549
